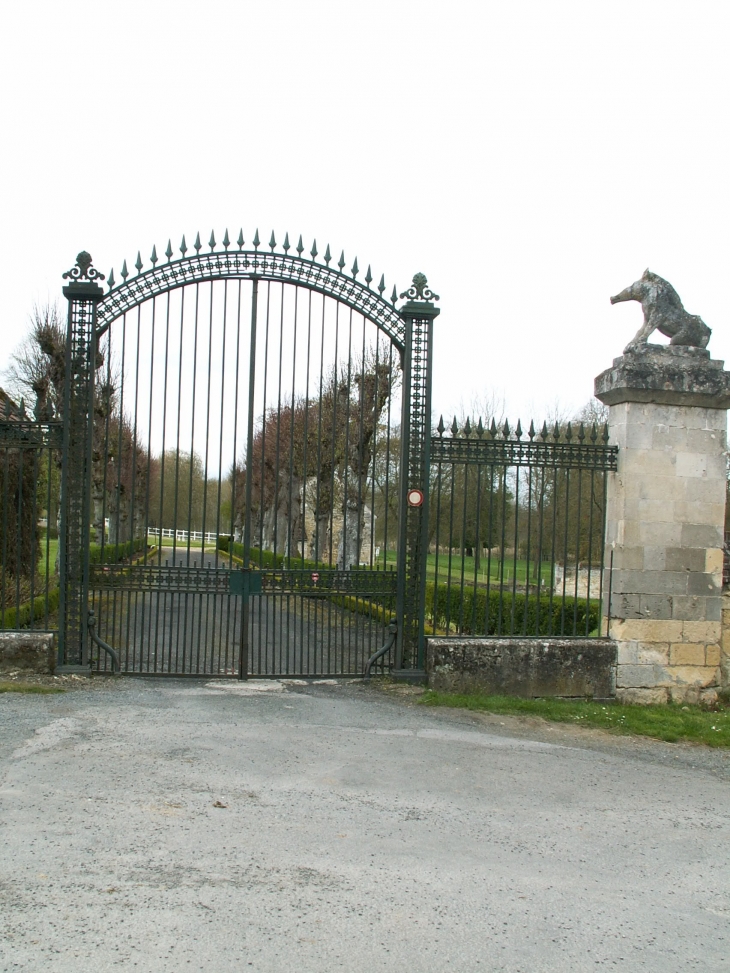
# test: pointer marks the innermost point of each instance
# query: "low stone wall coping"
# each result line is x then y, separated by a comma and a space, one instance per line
558, 667
32, 651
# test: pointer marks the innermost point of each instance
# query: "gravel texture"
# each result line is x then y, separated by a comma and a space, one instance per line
186, 825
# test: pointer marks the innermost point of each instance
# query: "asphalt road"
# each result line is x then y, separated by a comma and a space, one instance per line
174, 826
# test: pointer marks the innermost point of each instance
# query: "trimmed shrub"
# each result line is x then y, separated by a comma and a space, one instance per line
476, 612
35, 610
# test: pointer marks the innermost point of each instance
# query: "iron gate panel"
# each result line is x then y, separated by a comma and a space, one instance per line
250, 410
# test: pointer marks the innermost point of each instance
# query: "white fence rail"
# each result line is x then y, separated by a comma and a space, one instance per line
182, 535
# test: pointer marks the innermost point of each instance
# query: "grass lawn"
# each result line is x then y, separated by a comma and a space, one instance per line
511, 569
670, 723
21, 687
52, 554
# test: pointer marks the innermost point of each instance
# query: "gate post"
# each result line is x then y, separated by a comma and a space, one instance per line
83, 295
418, 314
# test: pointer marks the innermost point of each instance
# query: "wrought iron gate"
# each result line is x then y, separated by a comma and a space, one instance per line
242, 430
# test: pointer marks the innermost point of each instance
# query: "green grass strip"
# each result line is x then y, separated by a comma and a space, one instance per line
24, 687
670, 723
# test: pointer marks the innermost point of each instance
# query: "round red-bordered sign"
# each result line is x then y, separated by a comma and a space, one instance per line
415, 498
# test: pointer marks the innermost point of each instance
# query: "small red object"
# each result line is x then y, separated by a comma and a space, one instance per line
315, 577
415, 498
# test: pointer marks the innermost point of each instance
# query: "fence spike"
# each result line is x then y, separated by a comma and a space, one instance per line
272, 241
341, 261
183, 246
480, 428
240, 241
211, 242
493, 429
440, 428
381, 285
153, 255
111, 279
394, 296
594, 433
544, 432
467, 427
568, 432
256, 241
518, 430
531, 431
368, 277
556, 431
454, 427
168, 252
226, 240
327, 255
300, 245
581, 432
197, 245
138, 262
125, 272
286, 246
355, 269
505, 430
605, 432
314, 250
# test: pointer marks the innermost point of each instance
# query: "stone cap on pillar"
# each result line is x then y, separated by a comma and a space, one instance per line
666, 375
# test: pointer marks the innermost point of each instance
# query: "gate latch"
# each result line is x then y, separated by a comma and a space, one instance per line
245, 582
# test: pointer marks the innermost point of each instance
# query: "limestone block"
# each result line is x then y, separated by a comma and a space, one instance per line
632, 558
653, 582
668, 534
701, 535
714, 557
706, 491
699, 676
713, 655
655, 558
628, 653
687, 654
652, 653
647, 630
642, 697
701, 631
664, 436
689, 607
685, 559
643, 677
703, 584
657, 606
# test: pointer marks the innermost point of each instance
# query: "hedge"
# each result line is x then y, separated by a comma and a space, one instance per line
20, 617
267, 559
112, 553
478, 612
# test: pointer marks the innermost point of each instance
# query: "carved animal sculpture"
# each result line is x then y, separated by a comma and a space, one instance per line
664, 312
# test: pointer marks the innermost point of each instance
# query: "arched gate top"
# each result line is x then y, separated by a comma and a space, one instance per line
227, 264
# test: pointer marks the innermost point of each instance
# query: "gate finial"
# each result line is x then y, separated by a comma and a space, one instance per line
83, 269
419, 290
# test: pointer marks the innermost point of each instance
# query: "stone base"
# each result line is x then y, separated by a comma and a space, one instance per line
568, 668
31, 651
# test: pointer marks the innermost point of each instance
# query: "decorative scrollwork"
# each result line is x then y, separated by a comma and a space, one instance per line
83, 269
419, 290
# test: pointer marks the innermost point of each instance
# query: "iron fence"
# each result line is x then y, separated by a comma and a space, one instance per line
516, 530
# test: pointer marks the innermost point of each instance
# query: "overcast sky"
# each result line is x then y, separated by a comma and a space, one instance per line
530, 158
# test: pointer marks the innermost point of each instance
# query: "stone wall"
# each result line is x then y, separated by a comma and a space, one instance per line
32, 651
566, 668
666, 512
665, 523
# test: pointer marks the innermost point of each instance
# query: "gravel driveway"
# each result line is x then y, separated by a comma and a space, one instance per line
184, 825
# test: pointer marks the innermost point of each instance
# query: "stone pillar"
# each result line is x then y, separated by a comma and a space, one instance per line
665, 521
